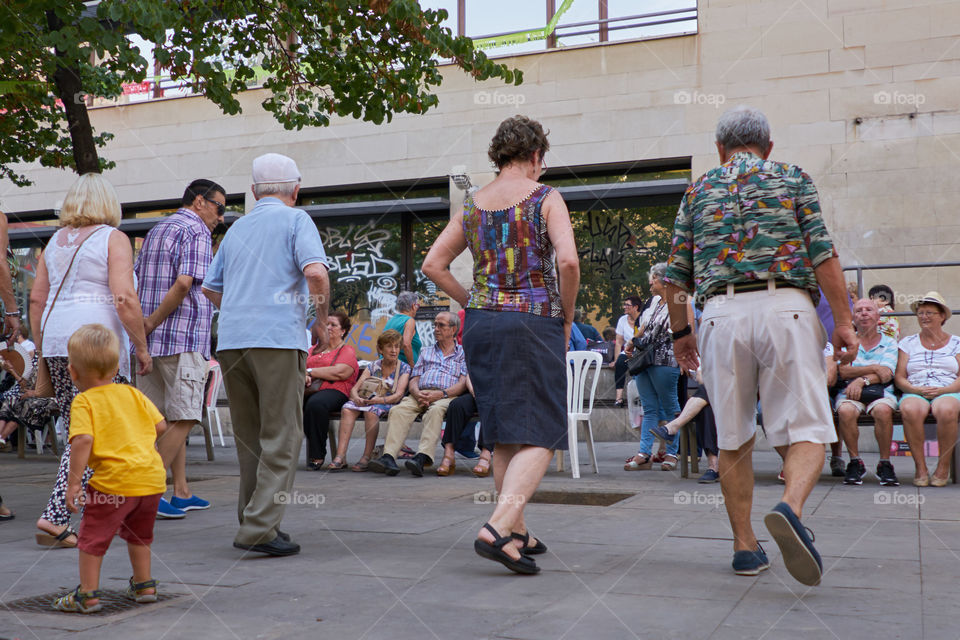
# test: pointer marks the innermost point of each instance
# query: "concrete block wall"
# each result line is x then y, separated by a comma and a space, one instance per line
861, 94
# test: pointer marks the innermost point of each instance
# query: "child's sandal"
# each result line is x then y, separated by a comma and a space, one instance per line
76, 601
134, 590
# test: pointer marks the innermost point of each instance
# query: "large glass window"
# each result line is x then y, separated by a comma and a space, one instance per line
580, 11
453, 11
617, 247
681, 19
490, 17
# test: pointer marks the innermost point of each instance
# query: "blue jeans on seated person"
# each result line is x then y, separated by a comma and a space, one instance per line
657, 387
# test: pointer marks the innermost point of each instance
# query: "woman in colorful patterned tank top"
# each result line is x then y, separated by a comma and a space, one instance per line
517, 325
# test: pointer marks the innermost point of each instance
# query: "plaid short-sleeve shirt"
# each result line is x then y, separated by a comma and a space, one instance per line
180, 245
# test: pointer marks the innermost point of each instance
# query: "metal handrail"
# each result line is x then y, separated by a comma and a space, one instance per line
860, 268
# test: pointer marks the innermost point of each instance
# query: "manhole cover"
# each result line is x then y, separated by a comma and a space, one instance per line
588, 498
113, 601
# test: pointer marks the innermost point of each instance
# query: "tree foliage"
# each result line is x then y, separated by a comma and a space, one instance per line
617, 247
365, 59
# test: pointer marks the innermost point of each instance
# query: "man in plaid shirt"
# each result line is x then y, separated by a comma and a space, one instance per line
170, 269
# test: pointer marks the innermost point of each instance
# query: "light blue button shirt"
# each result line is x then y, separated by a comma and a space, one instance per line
259, 270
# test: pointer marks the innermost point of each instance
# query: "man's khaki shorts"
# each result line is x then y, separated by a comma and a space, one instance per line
176, 385
771, 343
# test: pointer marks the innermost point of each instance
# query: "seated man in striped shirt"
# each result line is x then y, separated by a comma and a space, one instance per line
439, 376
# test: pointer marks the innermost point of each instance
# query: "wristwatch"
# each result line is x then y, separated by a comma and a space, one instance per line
866, 380
444, 393
687, 330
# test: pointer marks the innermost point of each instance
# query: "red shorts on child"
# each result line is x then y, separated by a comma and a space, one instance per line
104, 514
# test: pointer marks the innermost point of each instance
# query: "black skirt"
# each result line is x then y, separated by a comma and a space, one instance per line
516, 364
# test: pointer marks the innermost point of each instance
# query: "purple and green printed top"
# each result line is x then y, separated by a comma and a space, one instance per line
513, 258
748, 219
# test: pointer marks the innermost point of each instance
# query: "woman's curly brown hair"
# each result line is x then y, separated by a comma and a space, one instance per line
517, 138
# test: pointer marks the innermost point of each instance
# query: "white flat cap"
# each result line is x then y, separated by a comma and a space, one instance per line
274, 167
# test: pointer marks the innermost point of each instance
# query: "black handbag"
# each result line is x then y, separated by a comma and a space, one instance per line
870, 392
644, 354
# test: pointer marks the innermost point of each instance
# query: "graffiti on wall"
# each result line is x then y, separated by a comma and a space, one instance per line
365, 271
356, 252
607, 240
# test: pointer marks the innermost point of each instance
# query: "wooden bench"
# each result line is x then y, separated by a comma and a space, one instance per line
688, 443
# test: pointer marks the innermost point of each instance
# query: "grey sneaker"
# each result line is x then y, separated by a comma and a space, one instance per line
750, 563
837, 467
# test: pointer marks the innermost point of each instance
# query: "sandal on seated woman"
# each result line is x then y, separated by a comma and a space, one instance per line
669, 463
361, 464
482, 468
638, 462
337, 464
447, 466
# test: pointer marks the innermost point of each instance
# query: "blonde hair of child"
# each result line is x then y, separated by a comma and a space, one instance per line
93, 348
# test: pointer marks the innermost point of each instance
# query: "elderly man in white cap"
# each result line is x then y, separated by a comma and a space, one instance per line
270, 264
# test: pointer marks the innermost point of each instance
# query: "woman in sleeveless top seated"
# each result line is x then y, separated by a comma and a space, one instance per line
928, 373
517, 325
84, 275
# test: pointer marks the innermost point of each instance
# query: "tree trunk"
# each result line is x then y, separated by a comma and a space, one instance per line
70, 91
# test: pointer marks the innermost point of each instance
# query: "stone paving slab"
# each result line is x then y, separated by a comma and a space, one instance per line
392, 558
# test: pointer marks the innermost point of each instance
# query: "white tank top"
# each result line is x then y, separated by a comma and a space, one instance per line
86, 297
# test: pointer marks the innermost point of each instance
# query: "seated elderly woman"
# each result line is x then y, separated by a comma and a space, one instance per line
331, 373
21, 405
927, 373
393, 376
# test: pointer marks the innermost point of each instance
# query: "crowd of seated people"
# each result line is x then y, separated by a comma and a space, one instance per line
913, 377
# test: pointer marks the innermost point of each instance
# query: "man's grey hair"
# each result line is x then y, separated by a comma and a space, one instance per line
658, 271
744, 126
453, 319
279, 189
406, 300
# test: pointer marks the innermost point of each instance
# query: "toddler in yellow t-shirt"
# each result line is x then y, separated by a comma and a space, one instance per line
113, 430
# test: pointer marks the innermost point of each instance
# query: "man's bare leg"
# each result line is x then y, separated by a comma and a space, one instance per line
736, 483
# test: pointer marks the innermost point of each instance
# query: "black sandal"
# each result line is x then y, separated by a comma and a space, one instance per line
528, 550
494, 551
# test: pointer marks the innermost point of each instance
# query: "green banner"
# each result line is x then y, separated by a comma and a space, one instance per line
521, 37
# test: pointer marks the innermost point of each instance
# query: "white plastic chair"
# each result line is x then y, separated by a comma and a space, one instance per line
210, 404
579, 405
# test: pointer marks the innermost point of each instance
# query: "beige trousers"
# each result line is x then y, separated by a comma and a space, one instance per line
401, 418
265, 390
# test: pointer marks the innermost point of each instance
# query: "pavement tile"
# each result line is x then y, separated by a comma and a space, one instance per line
393, 558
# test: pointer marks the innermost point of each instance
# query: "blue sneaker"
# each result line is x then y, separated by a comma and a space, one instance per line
750, 563
167, 511
709, 477
796, 544
189, 504
661, 433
